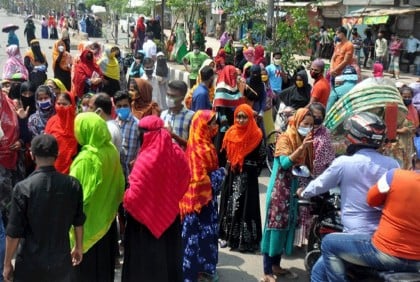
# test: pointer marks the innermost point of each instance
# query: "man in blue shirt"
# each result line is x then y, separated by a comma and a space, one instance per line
276, 77
200, 97
354, 174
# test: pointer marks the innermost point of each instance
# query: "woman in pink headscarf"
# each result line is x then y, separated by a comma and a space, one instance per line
14, 63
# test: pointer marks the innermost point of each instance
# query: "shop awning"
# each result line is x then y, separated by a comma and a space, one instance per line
292, 4
375, 20
326, 3
393, 11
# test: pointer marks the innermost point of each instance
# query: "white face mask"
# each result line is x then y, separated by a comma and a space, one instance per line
303, 131
85, 109
196, 51
171, 102
60, 48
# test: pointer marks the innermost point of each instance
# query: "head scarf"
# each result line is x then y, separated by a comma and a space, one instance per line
66, 58
98, 169
83, 70
28, 101
14, 63
259, 55
240, 140
12, 39
202, 157
159, 178
61, 126
58, 84
162, 68
249, 54
228, 77
224, 39
142, 104
290, 140
227, 93
38, 120
35, 52
10, 126
109, 64
254, 81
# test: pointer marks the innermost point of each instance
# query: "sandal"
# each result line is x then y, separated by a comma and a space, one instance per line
268, 278
286, 273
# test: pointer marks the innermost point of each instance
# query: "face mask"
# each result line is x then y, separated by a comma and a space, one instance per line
264, 77
123, 113
171, 102
149, 72
337, 39
85, 109
407, 102
277, 62
299, 84
318, 121
60, 48
89, 57
314, 75
196, 51
45, 105
303, 131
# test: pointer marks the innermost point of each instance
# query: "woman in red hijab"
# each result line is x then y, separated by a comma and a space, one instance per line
61, 126
259, 58
87, 75
240, 219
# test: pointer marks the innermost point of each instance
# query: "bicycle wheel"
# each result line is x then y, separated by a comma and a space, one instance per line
270, 148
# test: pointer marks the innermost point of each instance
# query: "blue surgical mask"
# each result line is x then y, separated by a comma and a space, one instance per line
337, 39
303, 131
45, 105
123, 113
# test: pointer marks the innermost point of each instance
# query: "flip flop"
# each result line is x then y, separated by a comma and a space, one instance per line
286, 273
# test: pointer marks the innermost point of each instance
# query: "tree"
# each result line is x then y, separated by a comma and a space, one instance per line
240, 12
188, 10
291, 37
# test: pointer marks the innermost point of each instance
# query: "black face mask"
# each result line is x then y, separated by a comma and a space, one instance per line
407, 102
318, 121
149, 72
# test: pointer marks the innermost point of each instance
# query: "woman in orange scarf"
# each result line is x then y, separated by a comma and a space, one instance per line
142, 105
62, 63
293, 149
240, 219
199, 206
61, 126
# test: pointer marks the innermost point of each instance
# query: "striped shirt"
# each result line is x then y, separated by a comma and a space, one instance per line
130, 141
180, 122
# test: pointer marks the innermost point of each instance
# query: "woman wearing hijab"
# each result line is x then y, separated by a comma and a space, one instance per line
259, 58
199, 205
97, 167
36, 63
293, 149
111, 70
14, 63
240, 218
56, 86
52, 24
142, 104
29, 31
45, 101
44, 28
61, 126
62, 63
226, 98
12, 38
255, 93
87, 75
299, 94
159, 179
239, 60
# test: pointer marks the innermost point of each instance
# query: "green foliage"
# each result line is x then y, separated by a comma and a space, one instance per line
243, 11
291, 37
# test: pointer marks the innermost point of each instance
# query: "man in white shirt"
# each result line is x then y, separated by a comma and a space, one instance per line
149, 47
381, 48
102, 105
159, 87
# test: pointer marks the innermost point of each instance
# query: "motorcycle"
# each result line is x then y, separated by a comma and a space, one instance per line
326, 220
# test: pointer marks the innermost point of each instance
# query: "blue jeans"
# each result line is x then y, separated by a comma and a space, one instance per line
2, 246
341, 248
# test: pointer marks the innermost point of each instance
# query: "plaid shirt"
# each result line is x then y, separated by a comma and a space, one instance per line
130, 141
180, 123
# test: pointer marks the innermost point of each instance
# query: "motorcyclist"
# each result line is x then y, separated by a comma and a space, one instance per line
354, 174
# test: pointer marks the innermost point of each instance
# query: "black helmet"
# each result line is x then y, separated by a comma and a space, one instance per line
365, 129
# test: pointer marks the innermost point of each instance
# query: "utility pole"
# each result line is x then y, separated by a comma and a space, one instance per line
270, 18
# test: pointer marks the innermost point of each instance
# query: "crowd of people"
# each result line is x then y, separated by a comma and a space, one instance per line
97, 153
